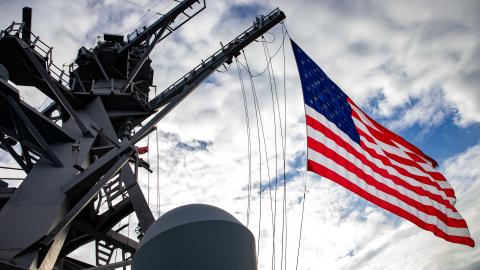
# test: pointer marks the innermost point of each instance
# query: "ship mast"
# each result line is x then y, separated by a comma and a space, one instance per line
79, 152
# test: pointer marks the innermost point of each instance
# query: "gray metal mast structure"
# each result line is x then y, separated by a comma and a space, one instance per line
79, 153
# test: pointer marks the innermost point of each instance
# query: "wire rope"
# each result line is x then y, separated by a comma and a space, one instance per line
148, 172
11, 168
284, 150
301, 220
133, 26
249, 141
273, 93
258, 119
260, 128
148, 10
43, 103
268, 63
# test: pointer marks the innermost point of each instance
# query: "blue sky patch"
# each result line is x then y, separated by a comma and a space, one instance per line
445, 140
245, 10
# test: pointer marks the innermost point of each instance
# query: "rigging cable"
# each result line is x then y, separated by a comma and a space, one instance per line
301, 220
143, 16
43, 103
268, 41
157, 165
227, 68
11, 168
268, 63
249, 141
304, 188
303, 203
145, 8
284, 148
283, 139
258, 121
273, 88
148, 172
148, 10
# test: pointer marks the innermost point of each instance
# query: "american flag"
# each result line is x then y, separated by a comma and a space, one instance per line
348, 147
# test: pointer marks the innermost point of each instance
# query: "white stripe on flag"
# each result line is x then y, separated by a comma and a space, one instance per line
332, 165
319, 117
314, 134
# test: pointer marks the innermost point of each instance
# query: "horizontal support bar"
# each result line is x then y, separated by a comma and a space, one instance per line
111, 266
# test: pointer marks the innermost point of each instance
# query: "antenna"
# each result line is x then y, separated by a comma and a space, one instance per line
27, 21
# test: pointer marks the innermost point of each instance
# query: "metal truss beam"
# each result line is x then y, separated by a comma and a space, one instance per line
86, 231
93, 172
26, 156
86, 199
142, 60
140, 205
6, 146
56, 91
49, 154
68, 263
111, 266
117, 239
163, 22
192, 79
101, 158
8, 266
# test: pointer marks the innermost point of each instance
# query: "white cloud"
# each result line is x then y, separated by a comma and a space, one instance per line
427, 111
406, 52
412, 248
402, 48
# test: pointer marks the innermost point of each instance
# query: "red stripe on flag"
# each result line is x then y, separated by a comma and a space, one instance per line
396, 137
341, 161
448, 191
410, 162
397, 180
333, 176
400, 159
435, 175
331, 135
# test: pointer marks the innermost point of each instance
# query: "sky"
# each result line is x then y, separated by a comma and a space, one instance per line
412, 65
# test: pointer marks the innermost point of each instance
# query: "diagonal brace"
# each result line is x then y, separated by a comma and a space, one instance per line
56, 91
14, 154
141, 62
92, 173
38, 136
140, 205
86, 199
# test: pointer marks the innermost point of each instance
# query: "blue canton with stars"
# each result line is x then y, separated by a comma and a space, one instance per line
323, 95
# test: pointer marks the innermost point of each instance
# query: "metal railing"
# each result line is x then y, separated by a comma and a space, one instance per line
170, 29
42, 49
258, 23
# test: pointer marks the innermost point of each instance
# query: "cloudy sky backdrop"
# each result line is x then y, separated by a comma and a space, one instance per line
413, 65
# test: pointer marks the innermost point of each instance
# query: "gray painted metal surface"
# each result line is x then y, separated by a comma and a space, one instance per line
4, 73
196, 236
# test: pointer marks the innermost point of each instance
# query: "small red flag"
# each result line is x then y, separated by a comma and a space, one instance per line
142, 150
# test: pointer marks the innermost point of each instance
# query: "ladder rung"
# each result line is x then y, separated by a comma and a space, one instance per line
103, 252
121, 228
